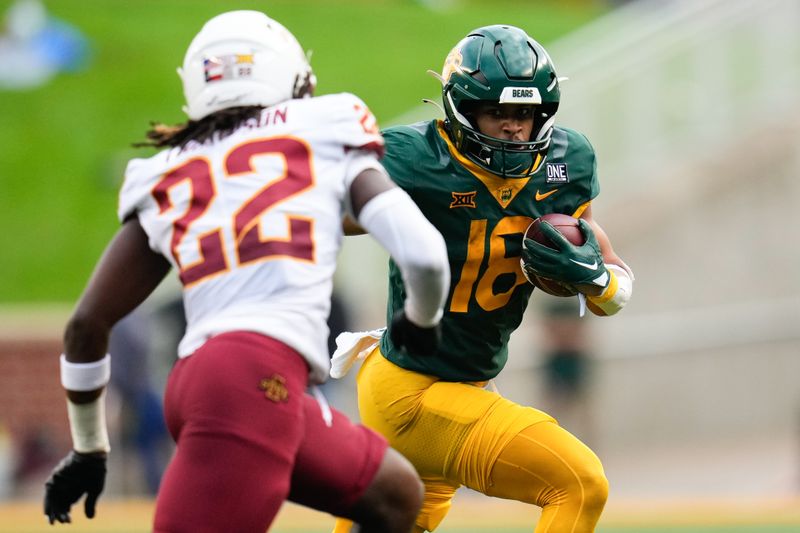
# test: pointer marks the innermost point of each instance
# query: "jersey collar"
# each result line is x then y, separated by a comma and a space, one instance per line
504, 190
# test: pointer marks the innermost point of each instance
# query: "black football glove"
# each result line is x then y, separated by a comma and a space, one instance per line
414, 339
581, 267
76, 474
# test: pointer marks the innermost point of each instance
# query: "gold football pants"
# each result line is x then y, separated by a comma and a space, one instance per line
462, 434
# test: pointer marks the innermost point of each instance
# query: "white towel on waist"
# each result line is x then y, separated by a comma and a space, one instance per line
352, 347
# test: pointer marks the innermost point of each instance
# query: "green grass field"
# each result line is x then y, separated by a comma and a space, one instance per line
477, 515
63, 146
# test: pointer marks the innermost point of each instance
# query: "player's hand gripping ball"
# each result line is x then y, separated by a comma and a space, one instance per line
569, 228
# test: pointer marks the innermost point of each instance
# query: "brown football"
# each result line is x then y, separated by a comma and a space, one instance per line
568, 227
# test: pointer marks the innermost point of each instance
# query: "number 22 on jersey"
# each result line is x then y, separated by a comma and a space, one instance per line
297, 177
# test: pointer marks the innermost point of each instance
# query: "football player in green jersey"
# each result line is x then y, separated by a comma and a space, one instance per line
496, 162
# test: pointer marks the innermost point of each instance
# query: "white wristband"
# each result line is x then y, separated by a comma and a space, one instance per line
617, 293
87, 424
85, 376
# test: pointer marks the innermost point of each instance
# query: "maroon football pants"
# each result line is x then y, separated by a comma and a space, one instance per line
249, 437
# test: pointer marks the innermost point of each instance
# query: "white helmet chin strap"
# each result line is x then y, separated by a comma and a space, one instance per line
544, 131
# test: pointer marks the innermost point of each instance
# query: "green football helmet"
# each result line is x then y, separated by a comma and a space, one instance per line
500, 64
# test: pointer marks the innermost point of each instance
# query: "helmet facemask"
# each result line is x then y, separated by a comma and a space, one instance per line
506, 158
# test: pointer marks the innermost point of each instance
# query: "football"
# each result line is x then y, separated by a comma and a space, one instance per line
568, 227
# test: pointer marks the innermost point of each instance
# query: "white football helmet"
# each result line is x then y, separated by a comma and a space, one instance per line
242, 58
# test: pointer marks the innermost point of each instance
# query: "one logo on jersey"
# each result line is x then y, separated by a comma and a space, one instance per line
228, 67
557, 173
463, 199
274, 388
505, 194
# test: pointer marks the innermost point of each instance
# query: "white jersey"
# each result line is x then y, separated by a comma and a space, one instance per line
252, 222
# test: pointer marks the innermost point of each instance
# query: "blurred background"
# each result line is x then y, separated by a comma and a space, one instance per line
689, 395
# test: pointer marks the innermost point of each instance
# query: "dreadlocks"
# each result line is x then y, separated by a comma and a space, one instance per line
223, 122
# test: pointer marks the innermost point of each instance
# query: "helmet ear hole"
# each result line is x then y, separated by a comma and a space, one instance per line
480, 77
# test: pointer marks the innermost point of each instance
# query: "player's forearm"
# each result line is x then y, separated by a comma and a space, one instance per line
426, 288
417, 248
85, 338
85, 383
85, 372
85, 342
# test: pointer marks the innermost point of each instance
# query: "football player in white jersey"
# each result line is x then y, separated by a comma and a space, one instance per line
245, 203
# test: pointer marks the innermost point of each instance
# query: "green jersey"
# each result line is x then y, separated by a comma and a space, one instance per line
482, 218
